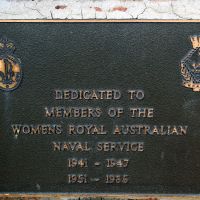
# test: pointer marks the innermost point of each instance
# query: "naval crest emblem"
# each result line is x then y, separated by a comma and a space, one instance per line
190, 66
10, 66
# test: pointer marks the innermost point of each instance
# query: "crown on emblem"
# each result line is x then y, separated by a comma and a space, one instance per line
7, 45
195, 39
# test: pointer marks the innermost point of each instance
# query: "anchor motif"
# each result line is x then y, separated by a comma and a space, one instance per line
10, 69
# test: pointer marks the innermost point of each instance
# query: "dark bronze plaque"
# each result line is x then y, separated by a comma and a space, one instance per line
100, 108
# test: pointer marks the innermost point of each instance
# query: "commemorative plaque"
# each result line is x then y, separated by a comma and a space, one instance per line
100, 108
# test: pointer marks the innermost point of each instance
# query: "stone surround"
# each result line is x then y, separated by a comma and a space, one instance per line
99, 9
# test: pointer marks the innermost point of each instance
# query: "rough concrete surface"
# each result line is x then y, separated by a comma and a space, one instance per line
99, 9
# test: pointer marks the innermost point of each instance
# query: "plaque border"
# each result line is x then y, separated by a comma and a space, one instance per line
100, 20
120, 196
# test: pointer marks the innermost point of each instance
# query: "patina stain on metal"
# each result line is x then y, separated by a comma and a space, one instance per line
100, 108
